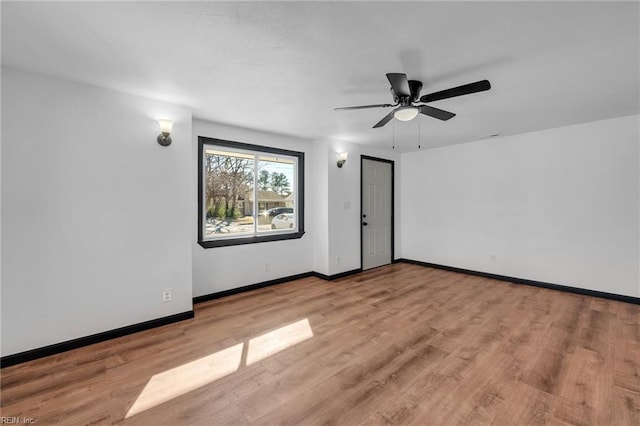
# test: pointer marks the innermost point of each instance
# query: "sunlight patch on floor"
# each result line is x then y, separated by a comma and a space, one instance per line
187, 377
278, 340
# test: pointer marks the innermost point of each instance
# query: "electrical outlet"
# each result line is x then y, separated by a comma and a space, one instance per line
166, 296
267, 267
492, 258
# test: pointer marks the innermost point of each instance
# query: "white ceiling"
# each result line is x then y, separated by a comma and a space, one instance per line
282, 67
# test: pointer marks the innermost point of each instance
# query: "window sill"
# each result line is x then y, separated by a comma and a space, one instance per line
249, 240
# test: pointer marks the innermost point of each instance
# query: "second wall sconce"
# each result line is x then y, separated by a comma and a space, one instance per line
342, 158
164, 138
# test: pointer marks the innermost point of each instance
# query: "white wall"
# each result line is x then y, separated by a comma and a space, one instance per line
558, 206
344, 187
95, 214
319, 196
223, 268
1, 70
332, 231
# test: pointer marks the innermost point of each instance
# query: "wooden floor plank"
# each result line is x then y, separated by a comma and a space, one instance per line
401, 344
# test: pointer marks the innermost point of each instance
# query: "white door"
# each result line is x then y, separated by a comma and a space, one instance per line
377, 213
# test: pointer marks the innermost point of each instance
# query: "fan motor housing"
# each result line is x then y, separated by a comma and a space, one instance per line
415, 86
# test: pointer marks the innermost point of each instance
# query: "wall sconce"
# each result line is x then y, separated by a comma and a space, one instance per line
164, 138
342, 158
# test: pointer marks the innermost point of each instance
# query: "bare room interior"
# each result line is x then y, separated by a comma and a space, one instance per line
238, 213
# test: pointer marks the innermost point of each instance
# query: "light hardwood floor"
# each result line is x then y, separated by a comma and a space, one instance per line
399, 344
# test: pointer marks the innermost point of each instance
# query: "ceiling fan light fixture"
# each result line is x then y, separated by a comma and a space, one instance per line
406, 113
405, 92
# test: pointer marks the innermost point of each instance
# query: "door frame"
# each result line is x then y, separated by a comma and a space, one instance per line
393, 197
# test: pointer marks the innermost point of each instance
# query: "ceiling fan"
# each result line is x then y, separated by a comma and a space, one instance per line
406, 93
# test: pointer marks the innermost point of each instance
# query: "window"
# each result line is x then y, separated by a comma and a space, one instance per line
248, 193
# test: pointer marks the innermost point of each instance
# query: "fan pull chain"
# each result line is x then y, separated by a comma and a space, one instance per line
394, 135
418, 135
